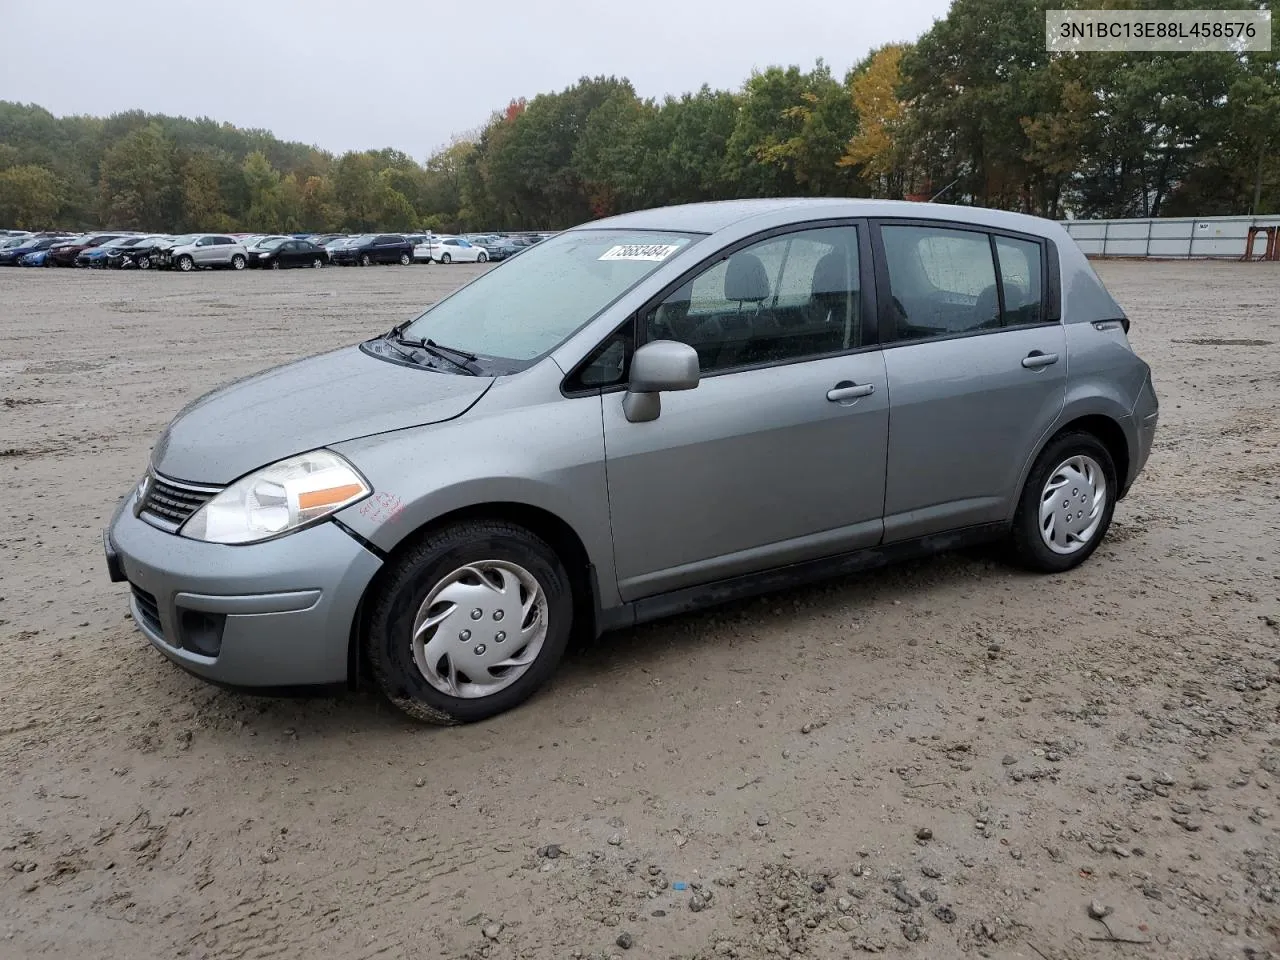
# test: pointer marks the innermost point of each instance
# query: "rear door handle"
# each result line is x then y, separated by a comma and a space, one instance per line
846, 390
1036, 359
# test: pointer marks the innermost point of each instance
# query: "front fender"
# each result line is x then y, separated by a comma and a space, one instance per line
549, 456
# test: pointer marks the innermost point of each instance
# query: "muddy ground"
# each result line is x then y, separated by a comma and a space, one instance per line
945, 759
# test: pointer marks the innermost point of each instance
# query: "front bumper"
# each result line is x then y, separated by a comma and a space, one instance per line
273, 614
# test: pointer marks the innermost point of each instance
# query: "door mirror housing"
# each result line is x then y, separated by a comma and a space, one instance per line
658, 366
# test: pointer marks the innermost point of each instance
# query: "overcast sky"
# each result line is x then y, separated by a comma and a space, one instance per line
410, 74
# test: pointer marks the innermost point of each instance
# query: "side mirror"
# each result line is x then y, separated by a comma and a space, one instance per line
657, 367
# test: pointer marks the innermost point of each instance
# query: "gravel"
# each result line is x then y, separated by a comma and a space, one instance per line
1149, 695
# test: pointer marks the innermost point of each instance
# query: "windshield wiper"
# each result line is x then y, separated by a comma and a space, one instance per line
450, 354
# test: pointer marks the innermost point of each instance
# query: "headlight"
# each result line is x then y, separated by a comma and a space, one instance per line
278, 499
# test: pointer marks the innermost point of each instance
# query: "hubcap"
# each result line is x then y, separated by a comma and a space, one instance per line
1072, 504
480, 629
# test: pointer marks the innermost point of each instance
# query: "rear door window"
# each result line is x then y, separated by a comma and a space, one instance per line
1021, 279
942, 281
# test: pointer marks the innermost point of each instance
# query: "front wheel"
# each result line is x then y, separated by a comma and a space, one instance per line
238, 262
275, 264
186, 264
482, 258
144, 263
405, 259
1066, 505
469, 623
317, 263
365, 260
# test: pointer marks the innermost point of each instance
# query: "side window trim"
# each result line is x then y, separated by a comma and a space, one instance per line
1050, 302
870, 303
870, 332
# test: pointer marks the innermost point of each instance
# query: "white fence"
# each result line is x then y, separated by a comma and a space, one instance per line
1222, 237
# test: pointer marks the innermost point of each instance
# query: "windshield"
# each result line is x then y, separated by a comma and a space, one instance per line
533, 303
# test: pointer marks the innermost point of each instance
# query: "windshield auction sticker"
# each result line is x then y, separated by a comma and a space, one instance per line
1157, 31
640, 251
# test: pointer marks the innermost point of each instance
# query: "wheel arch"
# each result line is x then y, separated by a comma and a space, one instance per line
543, 523
1102, 422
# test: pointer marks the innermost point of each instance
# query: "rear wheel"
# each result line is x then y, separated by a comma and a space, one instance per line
365, 260
144, 263
1066, 505
469, 623
405, 259
238, 262
186, 264
482, 258
317, 263
446, 259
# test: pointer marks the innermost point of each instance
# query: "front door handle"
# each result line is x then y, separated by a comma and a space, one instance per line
847, 390
1036, 359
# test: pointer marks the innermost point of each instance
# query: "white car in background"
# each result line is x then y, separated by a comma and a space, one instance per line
424, 249
457, 250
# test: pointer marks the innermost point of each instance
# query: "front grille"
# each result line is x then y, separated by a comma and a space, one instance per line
148, 611
172, 501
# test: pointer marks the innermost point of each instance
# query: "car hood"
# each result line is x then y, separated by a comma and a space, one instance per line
323, 400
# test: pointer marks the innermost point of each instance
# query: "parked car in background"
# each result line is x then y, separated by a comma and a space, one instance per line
97, 256
208, 250
140, 255
283, 252
496, 248
19, 247
324, 239
64, 254
422, 250
375, 248
36, 258
458, 250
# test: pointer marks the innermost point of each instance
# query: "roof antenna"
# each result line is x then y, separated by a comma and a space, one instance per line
945, 189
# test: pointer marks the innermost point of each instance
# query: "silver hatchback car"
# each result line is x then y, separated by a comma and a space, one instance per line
644, 415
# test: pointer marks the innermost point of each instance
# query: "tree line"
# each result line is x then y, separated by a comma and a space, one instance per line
974, 111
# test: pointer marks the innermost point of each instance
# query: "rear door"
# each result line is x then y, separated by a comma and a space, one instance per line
975, 355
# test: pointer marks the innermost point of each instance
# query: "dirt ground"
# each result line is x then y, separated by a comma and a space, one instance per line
945, 759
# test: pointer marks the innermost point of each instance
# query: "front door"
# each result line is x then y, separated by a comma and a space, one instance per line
977, 373
778, 456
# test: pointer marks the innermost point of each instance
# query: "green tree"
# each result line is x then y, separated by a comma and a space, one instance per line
30, 197
202, 204
138, 185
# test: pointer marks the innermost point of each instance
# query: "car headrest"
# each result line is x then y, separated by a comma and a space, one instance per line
828, 275
745, 279
987, 307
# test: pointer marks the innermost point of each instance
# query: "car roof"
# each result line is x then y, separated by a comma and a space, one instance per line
718, 215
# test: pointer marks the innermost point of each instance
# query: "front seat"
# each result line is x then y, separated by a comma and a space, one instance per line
745, 282
833, 302
986, 310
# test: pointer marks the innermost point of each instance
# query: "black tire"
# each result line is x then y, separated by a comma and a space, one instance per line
395, 605
238, 262
317, 263
445, 258
186, 264
482, 258
275, 264
144, 263
1028, 547
405, 259
365, 260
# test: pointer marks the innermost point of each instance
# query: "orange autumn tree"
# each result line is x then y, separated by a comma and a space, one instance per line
875, 151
